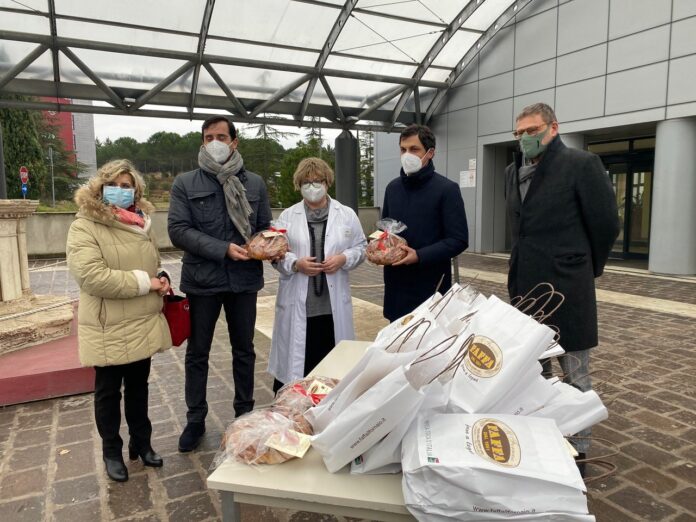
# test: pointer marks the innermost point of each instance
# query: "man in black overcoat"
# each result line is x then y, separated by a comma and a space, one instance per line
563, 218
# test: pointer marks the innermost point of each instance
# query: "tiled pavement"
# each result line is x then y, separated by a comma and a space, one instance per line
50, 462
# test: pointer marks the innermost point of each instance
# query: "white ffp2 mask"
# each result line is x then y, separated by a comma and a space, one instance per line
410, 163
313, 192
218, 150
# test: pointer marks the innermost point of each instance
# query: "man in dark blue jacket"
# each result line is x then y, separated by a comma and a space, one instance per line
432, 208
213, 211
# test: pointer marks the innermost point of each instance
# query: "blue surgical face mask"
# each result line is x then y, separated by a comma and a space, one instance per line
119, 197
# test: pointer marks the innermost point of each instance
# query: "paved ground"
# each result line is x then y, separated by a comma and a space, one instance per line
50, 462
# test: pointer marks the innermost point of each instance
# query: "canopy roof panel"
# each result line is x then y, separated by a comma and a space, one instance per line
377, 64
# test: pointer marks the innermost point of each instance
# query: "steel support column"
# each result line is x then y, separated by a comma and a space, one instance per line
347, 164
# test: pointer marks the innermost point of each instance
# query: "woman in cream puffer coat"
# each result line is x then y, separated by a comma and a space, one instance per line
114, 258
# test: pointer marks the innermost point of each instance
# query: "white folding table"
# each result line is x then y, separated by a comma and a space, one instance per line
305, 484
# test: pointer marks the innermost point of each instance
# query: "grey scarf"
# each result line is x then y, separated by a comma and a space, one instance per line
318, 215
525, 178
235, 194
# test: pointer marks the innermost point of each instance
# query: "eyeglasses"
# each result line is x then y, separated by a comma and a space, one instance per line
530, 131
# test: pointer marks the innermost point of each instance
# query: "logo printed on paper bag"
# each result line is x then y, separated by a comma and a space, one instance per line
496, 442
485, 358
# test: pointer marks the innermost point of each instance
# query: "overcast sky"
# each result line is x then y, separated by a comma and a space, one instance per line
140, 128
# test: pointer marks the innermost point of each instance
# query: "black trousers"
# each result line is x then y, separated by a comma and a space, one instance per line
320, 341
107, 405
240, 313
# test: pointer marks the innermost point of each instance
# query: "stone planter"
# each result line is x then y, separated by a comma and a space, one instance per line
25, 319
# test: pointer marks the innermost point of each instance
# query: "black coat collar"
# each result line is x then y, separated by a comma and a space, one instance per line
419, 178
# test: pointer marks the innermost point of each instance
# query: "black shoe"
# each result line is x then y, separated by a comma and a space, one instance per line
148, 456
116, 469
191, 436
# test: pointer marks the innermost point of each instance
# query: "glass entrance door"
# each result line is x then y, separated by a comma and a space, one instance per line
632, 182
629, 163
639, 211
618, 173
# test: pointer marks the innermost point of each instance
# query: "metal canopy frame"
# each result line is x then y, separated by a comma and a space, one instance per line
377, 110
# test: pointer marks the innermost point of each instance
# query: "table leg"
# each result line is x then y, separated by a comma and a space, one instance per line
230, 508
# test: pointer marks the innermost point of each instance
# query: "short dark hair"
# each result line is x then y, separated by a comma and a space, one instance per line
214, 119
425, 135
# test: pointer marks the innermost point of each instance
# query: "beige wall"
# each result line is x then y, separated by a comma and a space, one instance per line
48, 232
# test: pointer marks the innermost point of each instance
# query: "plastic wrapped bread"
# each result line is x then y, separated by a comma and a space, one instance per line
268, 244
385, 246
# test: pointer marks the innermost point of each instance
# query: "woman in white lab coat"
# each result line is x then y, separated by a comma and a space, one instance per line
313, 306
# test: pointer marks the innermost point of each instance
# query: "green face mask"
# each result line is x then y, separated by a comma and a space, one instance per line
531, 146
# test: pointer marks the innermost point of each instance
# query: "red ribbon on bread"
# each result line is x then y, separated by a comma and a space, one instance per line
380, 241
279, 230
314, 397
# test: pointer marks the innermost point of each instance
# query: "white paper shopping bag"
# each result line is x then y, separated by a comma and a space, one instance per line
394, 328
455, 303
506, 345
457, 463
379, 410
572, 409
372, 367
385, 456
447, 515
378, 361
553, 351
532, 393
367, 420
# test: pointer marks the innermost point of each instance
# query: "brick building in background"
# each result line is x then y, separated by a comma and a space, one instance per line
76, 131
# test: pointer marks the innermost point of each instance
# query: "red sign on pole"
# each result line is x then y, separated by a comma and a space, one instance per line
24, 174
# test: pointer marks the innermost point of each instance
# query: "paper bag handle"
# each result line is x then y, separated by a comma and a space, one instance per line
410, 331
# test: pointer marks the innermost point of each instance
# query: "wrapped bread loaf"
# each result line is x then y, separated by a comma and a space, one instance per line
295, 398
246, 438
276, 433
300, 424
384, 249
312, 389
269, 244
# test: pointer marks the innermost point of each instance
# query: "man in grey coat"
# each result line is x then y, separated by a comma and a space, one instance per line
563, 218
213, 211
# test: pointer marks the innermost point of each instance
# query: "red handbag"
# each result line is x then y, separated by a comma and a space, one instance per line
176, 310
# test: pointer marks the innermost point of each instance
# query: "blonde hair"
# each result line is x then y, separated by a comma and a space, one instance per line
91, 194
314, 168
